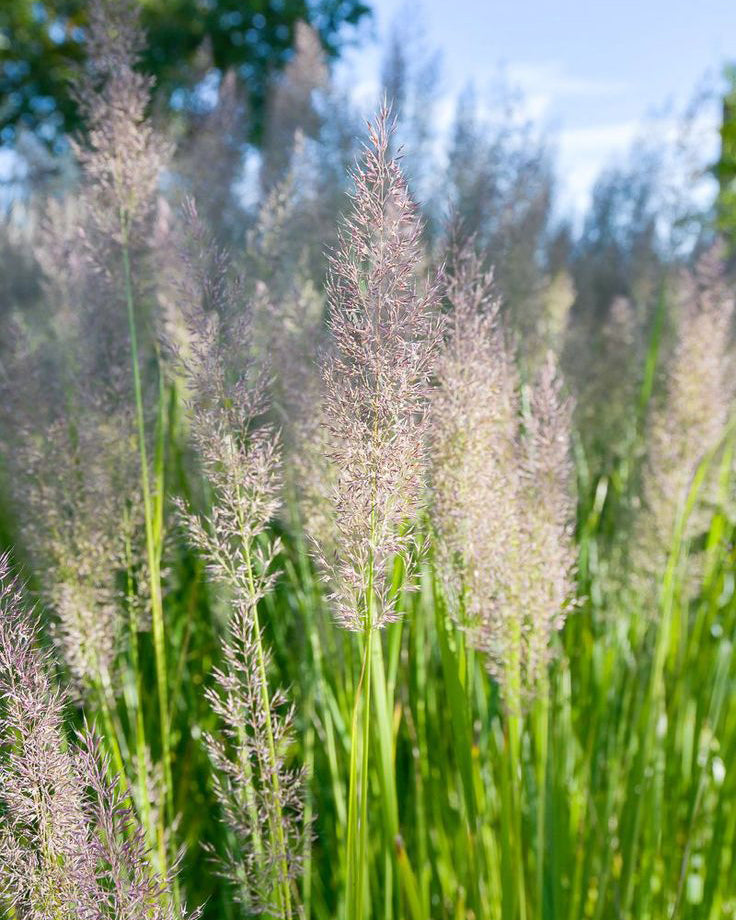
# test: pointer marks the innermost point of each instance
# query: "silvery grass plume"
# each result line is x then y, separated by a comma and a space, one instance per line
261, 796
79, 461
82, 505
692, 417
547, 501
213, 147
73, 480
384, 334
288, 331
291, 109
69, 843
310, 477
288, 307
475, 413
122, 156
502, 487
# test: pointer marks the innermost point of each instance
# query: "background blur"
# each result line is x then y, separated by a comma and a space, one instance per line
586, 153
565, 133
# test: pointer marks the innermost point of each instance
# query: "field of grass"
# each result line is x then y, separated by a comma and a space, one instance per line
340, 610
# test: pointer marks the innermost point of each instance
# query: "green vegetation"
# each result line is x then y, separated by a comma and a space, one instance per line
395, 590
725, 168
42, 44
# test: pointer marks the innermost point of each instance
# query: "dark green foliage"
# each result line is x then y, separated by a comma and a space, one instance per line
725, 168
41, 44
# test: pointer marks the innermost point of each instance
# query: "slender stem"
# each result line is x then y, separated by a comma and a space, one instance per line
542, 741
284, 890
113, 731
152, 557
357, 807
308, 813
136, 702
352, 875
363, 838
514, 737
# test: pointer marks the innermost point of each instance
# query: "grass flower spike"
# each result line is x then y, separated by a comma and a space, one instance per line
384, 333
70, 846
502, 487
260, 795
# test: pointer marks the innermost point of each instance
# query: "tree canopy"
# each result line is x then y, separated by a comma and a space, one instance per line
725, 168
42, 42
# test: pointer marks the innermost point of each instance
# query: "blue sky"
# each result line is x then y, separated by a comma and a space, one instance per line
599, 74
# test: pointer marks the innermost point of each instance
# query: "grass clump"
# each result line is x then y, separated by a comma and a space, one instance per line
354, 622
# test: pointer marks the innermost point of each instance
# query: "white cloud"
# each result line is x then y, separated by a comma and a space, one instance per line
552, 77
545, 83
596, 139
687, 147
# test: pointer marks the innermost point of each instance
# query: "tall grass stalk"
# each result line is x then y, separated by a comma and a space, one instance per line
152, 508
384, 330
357, 841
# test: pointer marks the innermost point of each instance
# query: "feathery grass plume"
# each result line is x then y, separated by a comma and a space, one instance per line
272, 248
122, 156
602, 363
70, 454
475, 415
291, 106
78, 457
213, 146
501, 482
85, 549
692, 417
384, 331
73, 477
69, 845
128, 888
288, 331
547, 515
261, 796
384, 334
310, 477
288, 308
46, 866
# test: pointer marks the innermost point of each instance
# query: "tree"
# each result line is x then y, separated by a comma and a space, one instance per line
725, 168
617, 266
42, 42
500, 185
618, 253
410, 74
